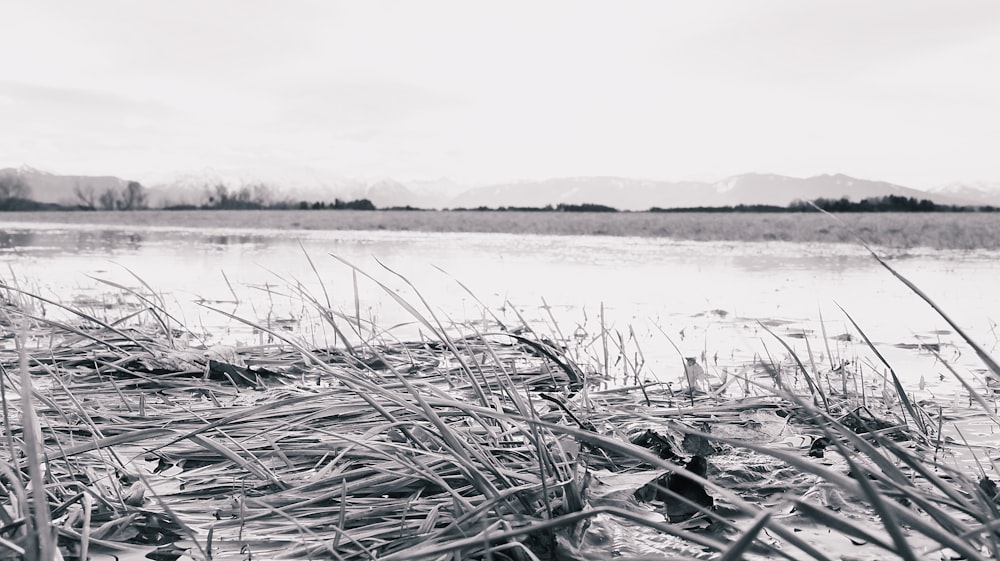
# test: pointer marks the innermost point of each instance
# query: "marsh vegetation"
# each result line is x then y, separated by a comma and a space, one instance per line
127, 436
963, 231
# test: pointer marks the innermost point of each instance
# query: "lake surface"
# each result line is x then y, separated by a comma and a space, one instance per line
707, 298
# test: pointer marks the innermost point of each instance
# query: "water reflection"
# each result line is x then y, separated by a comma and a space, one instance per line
17, 239
71, 240
236, 239
108, 240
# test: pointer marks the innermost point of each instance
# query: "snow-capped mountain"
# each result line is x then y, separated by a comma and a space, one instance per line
981, 193
769, 189
618, 192
632, 194
203, 186
435, 193
385, 193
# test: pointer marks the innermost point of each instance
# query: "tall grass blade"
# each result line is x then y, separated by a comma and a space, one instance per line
42, 543
973, 393
436, 328
76, 312
826, 342
8, 430
814, 388
889, 520
154, 307
980, 352
839, 523
918, 419
736, 550
474, 297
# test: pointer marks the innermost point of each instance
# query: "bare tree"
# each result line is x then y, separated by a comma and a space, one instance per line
86, 195
134, 197
247, 196
218, 196
108, 199
13, 187
261, 194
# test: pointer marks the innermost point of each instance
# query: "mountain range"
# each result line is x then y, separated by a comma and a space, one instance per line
618, 192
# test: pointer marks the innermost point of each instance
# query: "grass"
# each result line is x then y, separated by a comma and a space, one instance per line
479, 441
965, 231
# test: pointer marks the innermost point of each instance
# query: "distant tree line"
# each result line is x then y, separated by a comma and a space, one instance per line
130, 197
720, 209
15, 196
247, 197
259, 196
889, 203
337, 204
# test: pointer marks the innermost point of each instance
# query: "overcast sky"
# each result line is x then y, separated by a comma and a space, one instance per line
902, 90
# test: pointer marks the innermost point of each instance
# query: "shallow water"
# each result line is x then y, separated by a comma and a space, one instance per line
707, 297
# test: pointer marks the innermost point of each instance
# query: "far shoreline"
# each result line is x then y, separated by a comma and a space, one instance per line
898, 230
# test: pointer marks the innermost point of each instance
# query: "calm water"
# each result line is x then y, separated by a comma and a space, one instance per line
706, 296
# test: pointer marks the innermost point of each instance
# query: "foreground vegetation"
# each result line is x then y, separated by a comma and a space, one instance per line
125, 436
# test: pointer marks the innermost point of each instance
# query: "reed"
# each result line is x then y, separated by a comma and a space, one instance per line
483, 441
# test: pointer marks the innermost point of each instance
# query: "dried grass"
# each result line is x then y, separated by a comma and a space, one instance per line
484, 445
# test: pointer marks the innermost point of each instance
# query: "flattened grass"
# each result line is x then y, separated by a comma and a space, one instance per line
442, 448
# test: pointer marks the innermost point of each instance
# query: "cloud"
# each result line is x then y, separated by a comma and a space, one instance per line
94, 104
786, 42
502, 90
352, 105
